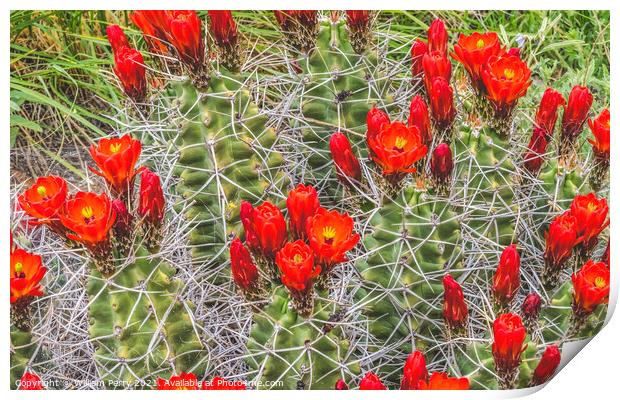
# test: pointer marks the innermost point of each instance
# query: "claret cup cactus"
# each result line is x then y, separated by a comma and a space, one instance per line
340, 218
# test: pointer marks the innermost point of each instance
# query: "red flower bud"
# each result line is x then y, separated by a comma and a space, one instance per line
116, 37
223, 27
508, 342
600, 129
186, 36
371, 382
590, 287
152, 203
455, 311
123, 223
441, 381
418, 116
473, 51
441, 162
270, 228
154, 25
547, 113
244, 271
442, 102
44, 200
414, 373
418, 49
506, 79
435, 64
533, 157
591, 216
396, 148
185, 381
331, 236
560, 239
219, 383
347, 165
117, 158
130, 70
30, 381
341, 385
576, 112
375, 119
245, 215
296, 263
90, 216
531, 306
358, 19
507, 280
547, 365
302, 203
438, 37
27, 270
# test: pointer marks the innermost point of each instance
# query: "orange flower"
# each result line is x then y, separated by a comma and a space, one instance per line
591, 287
296, 263
154, 25
185, 381
44, 199
441, 381
600, 129
90, 216
185, 34
474, 51
219, 383
117, 158
560, 239
396, 148
331, 235
27, 271
591, 215
506, 79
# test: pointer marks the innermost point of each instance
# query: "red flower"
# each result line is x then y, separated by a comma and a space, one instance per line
547, 113
117, 158
533, 157
341, 385
547, 365
576, 112
591, 287
152, 203
302, 203
122, 225
347, 165
116, 37
506, 79
455, 310
418, 50
223, 27
442, 102
130, 70
441, 381
304, 17
27, 271
30, 381
591, 216
600, 129
435, 64
358, 19
44, 199
269, 227
507, 280
414, 373
244, 271
245, 215
560, 239
219, 383
531, 306
185, 381
154, 25
330, 235
371, 382
474, 51
375, 119
90, 216
441, 162
508, 342
438, 37
185, 33
296, 263
418, 117
396, 148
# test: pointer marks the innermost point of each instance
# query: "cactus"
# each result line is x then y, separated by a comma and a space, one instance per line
22, 351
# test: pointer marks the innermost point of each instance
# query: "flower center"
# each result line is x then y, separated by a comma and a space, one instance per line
509, 73
600, 282
115, 147
329, 233
480, 43
87, 213
400, 143
42, 190
592, 207
298, 258
19, 267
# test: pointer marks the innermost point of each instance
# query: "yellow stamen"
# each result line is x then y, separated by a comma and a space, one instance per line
42, 190
400, 142
87, 212
480, 43
600, 282
115, 147
592, 207
298, 258
508, 73
19, 267
329, 232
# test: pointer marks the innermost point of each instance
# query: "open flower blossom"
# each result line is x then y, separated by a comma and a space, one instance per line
152, 203
297, 266
89, 216
508, 342
130, 70
27, 270
576, 112
536, 148
301, 203
418, 49
590, 214
396, 148
371, 381
560, 239
244, 272
414, 372
438, 37
375, 119
185, 34
154, 25
223, 27
600, 127
441, 381
547, 365
269, 227
116, 159
442, 103
455, 310
219, 383
30, 381
435, 64
473, 51
44, 200
506, 79
590, 287
331, 236
507, 280
347, 164
547, 113
184, 381
116, 37
418, 116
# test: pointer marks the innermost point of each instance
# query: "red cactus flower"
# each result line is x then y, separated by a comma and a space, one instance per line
223, 27
30, 381
507, 280
591, 215
371, 382
288, 17
533, 156
560, 239
418, 116
375, 119
438, 37
396, 148
506, 79
455, 311
269, 226
331, 236
590, 287
508, 342
245, 215
600, 129
154, 25
414, 372
441, 162
435, 64
531, 306
123, 223
347, 165
547, 365
341, 385
547, 113
296, 263
219, 383
27, 270
358, 19
301, 203
418, 49
152, 203
117, 158
185, 34
130, 70
441, 381
474, 51
90, 216
116, 37
244, 271
442, 102
576, 112
184, 381
44, 200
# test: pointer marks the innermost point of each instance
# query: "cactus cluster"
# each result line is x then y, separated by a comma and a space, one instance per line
342, 217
